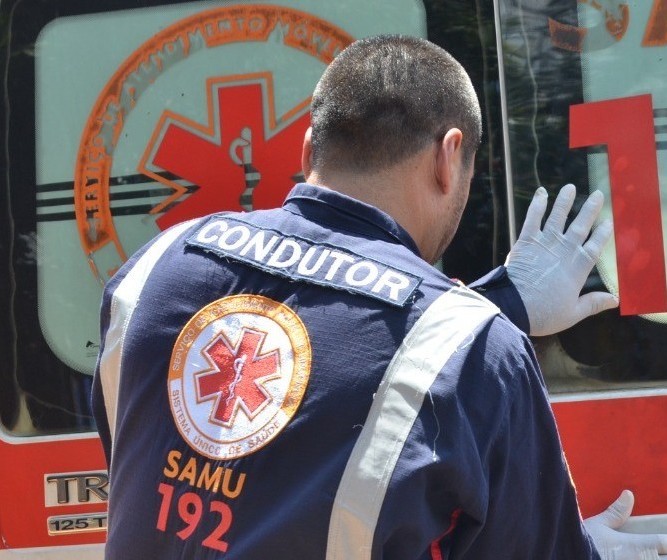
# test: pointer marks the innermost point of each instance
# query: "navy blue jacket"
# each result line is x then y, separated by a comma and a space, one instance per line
298, 383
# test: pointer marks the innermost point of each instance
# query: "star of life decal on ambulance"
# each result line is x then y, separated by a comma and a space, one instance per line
238, 372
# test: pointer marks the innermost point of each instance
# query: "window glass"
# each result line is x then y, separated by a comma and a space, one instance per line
121, 118
587, 103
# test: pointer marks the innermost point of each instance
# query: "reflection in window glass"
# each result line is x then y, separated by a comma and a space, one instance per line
590, 75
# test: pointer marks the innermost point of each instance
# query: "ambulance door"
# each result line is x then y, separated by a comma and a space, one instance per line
120, 118
585, 101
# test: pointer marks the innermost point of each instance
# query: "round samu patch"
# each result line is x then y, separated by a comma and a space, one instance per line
238, 373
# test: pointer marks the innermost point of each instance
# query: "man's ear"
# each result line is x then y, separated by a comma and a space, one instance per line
448, 159
307, 154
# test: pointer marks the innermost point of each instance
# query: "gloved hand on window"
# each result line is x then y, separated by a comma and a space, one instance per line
549, 266
612, 544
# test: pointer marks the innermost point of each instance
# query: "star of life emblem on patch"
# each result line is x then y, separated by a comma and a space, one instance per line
238, 373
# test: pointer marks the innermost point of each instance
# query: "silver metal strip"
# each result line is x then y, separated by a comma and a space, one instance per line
80, 552
611, 394
511, 214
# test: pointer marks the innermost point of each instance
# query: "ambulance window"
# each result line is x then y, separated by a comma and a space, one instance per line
587, 104
119, 123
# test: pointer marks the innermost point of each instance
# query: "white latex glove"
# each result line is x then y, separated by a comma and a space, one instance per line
612, 544
549, 266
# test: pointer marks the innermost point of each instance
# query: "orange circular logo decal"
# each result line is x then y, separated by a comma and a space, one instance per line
238, 373
243, 149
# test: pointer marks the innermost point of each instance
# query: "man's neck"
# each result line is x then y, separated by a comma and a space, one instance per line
399, 191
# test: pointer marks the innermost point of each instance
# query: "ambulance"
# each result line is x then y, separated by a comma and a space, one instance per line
120, 118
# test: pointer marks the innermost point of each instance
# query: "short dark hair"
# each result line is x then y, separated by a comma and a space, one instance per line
385, 98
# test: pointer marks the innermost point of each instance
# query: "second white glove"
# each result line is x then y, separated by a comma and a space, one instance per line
613, 544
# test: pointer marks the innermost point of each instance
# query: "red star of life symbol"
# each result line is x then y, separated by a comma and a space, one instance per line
238, 376
244, 158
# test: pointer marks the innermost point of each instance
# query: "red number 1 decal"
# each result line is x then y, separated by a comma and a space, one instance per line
625, 125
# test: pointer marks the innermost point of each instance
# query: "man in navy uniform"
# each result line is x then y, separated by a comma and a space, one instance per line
301, 383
